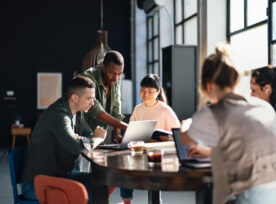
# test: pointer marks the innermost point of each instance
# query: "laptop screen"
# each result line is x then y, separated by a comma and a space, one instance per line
138, 130
180, 148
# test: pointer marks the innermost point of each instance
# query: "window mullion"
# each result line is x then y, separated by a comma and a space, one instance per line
147, 30
183, 17
245, 14
228, 21
174, 19
152, 42
159, 71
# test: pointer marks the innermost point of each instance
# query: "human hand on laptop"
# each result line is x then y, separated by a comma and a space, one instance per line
117, 136
99, 132
117, 139
199, 151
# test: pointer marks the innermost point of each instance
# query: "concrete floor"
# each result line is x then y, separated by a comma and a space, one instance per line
140, 197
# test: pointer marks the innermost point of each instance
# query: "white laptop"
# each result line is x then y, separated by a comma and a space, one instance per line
136, 131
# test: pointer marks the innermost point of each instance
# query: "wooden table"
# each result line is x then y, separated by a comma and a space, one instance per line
20, 131
121, 169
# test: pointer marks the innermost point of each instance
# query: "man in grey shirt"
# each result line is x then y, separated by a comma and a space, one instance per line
60, 135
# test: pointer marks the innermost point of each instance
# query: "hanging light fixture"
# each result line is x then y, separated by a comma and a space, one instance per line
96, 55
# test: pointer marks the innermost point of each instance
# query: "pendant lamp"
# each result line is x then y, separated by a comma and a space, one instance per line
96, 55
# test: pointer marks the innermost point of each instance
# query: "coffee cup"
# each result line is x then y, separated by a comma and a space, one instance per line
136, 147
155, 156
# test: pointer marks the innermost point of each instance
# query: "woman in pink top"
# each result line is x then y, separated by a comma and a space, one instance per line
154, 106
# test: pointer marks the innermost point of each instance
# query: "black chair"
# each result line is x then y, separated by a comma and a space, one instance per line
16, 161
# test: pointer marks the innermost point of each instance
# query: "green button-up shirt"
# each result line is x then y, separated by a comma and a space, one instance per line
100, 106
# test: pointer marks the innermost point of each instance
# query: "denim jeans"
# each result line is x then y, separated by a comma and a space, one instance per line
126, 194
82, 177
78, 164
28, 191
264, 194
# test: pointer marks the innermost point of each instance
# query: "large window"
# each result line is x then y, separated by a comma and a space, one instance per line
247, 32
245, 14
272, 32
185, 22
153, 43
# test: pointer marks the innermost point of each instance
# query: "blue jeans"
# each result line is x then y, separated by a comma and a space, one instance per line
28, 190
264, 194
78, 164
126, 194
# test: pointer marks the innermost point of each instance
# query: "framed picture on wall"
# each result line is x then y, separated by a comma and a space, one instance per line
49, 88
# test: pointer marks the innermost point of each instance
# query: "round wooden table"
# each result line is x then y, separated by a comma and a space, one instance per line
122, 169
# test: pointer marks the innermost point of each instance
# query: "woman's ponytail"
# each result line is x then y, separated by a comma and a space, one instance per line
162, 96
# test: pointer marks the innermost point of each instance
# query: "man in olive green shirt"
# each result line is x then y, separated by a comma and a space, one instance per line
107, 108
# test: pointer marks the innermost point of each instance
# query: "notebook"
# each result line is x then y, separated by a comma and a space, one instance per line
136, 131
182, 150
159, 132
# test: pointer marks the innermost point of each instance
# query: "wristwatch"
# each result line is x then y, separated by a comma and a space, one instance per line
118, 136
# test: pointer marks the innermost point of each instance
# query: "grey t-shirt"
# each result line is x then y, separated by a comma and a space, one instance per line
204, 128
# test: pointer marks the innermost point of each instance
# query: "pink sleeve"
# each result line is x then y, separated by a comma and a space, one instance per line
172, 120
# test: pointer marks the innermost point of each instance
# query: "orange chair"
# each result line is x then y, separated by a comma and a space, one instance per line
52, 190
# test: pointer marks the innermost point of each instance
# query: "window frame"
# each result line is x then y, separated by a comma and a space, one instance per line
247, 27
150, 39
183, 20
271, 41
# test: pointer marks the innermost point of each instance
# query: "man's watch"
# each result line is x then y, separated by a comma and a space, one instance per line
118, 136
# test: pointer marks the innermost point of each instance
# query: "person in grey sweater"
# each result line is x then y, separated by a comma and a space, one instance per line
240, 132
60, 135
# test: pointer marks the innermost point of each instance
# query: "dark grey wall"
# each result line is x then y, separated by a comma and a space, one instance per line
42, 36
